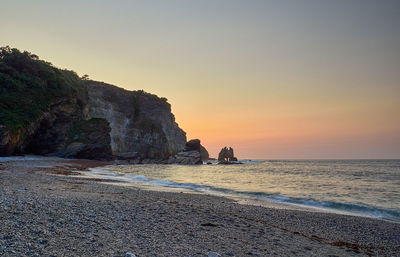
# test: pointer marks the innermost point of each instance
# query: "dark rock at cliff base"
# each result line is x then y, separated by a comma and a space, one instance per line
226, 155
192, 154
195, 145
204, 153
88, 139
6, 148
127, 156
192, 145
187, 158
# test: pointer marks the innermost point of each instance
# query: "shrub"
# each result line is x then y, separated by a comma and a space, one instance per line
28, 87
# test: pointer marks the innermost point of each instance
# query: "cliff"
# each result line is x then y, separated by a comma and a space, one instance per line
88, 139
38, 103
48, 111
140, 122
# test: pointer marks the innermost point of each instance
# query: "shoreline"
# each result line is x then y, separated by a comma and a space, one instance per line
56, 211
144, 183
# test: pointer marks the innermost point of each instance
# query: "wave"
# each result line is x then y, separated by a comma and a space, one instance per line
252, 161
343, 208
352, 208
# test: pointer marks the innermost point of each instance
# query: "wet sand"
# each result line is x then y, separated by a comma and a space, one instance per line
48, 209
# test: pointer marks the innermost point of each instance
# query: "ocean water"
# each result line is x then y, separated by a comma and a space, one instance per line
360, 187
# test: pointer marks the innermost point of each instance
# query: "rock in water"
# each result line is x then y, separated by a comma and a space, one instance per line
226, 155
190, 155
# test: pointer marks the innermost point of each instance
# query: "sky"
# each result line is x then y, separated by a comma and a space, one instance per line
300, 79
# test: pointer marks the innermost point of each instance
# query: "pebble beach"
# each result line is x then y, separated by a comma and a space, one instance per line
48, 209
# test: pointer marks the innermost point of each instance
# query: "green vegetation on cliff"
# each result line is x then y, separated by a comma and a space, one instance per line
142, 122
28, 87
44, 110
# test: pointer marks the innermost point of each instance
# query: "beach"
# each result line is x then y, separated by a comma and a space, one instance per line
48, 209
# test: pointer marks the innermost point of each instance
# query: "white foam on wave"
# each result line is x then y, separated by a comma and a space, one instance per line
340, 208
138, 177
105, 174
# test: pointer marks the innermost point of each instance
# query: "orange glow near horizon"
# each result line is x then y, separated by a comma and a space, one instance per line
272, 79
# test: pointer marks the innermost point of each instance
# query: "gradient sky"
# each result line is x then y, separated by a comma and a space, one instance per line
273, 79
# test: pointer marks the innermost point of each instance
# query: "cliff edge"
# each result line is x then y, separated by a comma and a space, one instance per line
48, 111
140, 122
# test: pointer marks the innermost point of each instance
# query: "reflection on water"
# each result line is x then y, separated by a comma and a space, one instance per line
370, 186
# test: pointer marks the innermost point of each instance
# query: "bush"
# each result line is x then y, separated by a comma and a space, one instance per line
28, 87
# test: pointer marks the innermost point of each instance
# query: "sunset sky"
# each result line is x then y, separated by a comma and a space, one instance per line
273, 79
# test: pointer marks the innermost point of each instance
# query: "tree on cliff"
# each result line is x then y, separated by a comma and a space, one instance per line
28, 86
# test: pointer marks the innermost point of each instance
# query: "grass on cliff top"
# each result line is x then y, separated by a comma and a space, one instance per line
28, 86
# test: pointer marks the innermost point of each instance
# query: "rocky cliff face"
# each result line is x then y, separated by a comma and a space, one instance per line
50, 130
61, 131
47, 133
48, 111
88, 139
140, 122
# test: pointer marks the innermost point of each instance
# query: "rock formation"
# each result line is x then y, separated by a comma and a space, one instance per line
190, 155
204, 153
226, 155
38, 104
140, 122
192, 145
88, 139
41, 106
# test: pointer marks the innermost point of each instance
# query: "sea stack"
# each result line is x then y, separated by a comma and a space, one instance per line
226, 155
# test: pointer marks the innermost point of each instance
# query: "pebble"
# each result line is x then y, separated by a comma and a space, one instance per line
213, 254
82, 223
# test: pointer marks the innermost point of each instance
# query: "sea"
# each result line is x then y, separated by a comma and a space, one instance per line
368, 188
